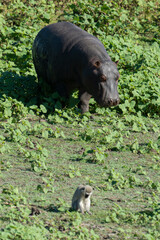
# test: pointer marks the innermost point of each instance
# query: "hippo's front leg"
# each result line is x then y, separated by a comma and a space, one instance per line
84, 98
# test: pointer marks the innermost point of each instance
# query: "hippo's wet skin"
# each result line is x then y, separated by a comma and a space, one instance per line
69, 58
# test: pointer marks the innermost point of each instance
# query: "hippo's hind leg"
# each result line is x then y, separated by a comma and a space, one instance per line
84, 98
62, 90
43, 89
39, 91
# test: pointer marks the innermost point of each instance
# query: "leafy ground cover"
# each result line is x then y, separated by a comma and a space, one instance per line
45, 155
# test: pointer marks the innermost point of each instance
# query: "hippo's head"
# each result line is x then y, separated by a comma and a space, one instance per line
101, 80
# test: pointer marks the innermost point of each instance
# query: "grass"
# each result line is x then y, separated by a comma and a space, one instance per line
67, 167
45, 155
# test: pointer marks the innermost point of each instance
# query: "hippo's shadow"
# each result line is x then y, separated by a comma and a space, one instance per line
22, 88
26, 90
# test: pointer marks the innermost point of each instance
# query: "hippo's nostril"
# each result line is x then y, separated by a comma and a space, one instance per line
117, 101
113, 102
110, 101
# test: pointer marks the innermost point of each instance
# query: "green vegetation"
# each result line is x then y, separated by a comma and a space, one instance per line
45, 155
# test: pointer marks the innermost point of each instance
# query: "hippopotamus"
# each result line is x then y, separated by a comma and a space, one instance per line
69, 58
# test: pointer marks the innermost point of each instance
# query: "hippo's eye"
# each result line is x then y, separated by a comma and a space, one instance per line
103, 78
97, 64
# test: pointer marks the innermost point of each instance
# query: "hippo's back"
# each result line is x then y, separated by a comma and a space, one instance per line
69, 58
60, 49
63, 35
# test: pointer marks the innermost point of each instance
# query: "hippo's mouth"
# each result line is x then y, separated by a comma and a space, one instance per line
104, 101
108, 102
